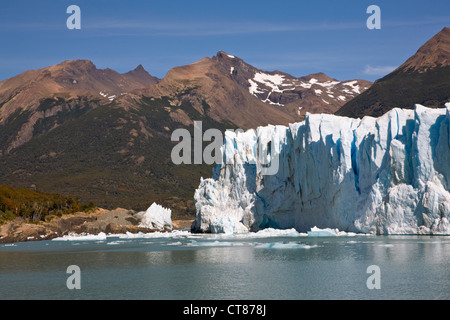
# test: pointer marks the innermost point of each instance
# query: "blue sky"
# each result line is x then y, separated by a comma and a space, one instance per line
297, 37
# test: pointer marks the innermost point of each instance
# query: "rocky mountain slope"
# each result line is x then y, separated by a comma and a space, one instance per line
35, 95
106, 137
314, 93
424, 78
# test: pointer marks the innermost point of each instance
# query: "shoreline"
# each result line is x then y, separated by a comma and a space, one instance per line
100, 220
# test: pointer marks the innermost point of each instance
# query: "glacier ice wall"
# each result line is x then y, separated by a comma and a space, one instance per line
386, 175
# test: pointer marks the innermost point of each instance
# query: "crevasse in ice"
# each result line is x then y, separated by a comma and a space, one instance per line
386, 175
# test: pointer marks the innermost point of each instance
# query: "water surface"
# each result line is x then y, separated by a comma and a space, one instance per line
268, 265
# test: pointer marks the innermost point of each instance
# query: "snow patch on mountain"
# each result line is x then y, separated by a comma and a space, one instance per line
354, 85
253, 87
264, 85
272, 81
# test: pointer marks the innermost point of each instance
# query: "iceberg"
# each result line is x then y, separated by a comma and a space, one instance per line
83, 237
282, 245
385, 175
327, 232
156, 217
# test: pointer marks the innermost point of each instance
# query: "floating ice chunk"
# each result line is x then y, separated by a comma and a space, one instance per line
271, 232
156, 217
227, 224
82, 237
283, 245
327, 232
216, 243
153, 235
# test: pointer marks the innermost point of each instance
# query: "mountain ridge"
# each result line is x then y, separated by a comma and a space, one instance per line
87, 139
71, 78
40, 93
435, 52
424, 78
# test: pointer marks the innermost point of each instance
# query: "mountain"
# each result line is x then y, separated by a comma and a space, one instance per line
37, 94
250, 97
234, 90
69, 79
206, 81
314, 93
106, 137
385, 175
424, 78
68, 129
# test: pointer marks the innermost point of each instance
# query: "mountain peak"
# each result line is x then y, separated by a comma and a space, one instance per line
72, 78
320, 76
141, 75
139, 68
423, 79
78, 64
223, 54
434, 53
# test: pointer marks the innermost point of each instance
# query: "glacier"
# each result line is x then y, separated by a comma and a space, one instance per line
385, 175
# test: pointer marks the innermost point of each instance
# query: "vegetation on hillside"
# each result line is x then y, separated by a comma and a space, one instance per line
113, 156
402, 89
36, 206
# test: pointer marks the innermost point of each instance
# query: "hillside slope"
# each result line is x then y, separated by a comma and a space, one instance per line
424, 78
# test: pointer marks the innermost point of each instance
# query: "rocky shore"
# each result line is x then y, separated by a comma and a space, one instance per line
101, 220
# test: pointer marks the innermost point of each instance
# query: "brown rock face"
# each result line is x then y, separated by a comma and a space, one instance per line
250, 97
207, 81
41, 93
422, 79
434, 53
68, 79
105, 137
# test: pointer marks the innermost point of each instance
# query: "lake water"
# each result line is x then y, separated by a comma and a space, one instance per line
280, 265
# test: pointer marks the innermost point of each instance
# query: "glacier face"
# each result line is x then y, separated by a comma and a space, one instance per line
386, 175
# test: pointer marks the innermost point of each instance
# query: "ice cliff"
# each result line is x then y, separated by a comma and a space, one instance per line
386, 175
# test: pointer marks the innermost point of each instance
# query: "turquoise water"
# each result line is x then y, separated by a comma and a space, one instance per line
284, 265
